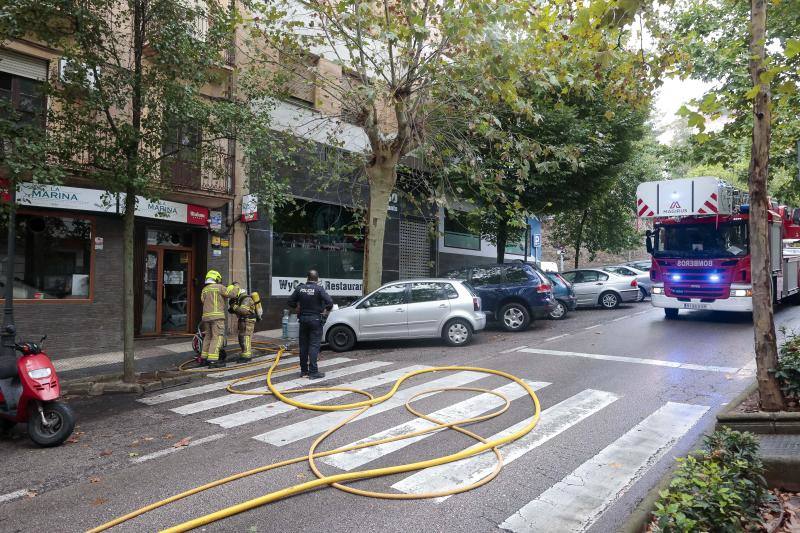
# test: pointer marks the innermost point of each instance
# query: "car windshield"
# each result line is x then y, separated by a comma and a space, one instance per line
702, 240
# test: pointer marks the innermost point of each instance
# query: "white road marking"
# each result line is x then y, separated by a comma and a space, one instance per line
642, 312
595, 326
621, 318
261, 412
637, 360
173, 449
471, 407
237, 371
556, 337
554, 421
518, 348
211, 387
574, 503
747, 370
315, 426
14, 495
229, 399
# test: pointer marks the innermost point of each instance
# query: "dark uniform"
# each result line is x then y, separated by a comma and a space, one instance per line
313, 300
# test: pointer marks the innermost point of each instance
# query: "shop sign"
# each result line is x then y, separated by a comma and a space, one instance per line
285, 285
197, 215
225, 243
216, 220
98, 243
216, 252
160, 209
249, 208
537, 240
394, 200
216, 240
62, 197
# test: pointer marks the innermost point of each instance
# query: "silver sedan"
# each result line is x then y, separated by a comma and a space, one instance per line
595, 287
416, 309
642, 277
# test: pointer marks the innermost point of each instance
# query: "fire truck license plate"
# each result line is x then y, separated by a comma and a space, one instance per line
695, 306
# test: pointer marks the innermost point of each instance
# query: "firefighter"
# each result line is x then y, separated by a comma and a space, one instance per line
243, 305
213, 321
311, 302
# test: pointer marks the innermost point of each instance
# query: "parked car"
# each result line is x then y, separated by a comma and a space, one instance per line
564, 295
642, 278
512, 294
594, 287
424, 308
641, 264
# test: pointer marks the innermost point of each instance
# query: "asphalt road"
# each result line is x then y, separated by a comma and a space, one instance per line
623, 392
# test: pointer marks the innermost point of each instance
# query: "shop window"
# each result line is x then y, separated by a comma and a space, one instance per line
53, 258
321, 236
457, 233
176, 238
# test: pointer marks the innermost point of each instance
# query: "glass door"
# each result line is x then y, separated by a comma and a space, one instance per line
175, 298
150, 301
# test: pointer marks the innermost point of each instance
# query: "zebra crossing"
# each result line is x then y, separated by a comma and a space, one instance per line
572, 504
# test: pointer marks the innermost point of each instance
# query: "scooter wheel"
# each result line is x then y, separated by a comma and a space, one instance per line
61, 422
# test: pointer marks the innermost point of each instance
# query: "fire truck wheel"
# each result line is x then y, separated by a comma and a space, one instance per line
609, 300
670, 314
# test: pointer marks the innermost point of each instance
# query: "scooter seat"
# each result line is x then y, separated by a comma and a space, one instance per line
8, 369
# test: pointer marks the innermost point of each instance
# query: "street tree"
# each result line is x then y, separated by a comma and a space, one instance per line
142, 90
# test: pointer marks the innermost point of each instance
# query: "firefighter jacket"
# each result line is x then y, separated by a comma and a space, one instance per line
213, 298
244, 306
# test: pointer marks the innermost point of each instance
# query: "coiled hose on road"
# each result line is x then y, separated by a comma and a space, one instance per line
359, 408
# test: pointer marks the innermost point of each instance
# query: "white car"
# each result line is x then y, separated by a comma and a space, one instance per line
423, 308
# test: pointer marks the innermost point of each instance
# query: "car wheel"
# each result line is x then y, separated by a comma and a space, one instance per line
609, 300
457, 332
670, 314
642, 295
514, 317
559, 311
341, 338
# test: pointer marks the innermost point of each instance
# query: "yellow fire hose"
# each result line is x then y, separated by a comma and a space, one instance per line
336, 480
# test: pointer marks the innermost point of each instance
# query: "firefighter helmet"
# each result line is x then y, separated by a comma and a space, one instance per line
214, 276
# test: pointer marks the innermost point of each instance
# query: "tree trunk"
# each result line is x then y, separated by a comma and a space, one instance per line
128, 365
579, 237
382, 179
763, 320
502, 239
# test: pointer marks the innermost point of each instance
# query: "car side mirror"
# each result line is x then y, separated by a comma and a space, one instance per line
366, 305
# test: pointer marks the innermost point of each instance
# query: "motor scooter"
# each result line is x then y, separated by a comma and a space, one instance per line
197, 347
29, 393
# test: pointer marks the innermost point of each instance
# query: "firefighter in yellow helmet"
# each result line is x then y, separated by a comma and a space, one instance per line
213, 321
244, 306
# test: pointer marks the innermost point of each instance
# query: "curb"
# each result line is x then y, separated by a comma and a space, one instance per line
113, 384
759, 423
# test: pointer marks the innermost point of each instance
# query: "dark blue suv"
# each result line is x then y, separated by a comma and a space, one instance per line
511, 294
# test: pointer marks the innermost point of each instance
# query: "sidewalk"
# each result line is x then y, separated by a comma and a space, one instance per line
151, 354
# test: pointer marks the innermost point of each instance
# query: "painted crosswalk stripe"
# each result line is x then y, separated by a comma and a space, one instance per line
238, 371
575, 502
471, 407
636, 360
230, 399
212, 387
262, 412
173, 449
309, 428
554, 421
13, 495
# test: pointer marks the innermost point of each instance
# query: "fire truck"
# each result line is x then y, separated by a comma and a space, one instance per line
700, 245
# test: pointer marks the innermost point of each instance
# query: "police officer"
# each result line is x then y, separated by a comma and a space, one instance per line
213, 321
244, 306
311, 301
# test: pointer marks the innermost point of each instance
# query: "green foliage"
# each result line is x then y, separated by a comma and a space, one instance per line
788, 371
720, 488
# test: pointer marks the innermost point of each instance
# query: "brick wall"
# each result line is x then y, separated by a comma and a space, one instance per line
79, 328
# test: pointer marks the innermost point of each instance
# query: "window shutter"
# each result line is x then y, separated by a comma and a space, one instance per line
24, 66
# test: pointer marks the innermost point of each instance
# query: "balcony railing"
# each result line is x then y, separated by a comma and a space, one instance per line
214, 174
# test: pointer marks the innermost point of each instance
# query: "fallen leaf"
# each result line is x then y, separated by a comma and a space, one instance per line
133, 454
94, 480
615, 465
148, 439
181, 443
106, 453
99, 501
31, 494
134, 443
72, 440
169, 436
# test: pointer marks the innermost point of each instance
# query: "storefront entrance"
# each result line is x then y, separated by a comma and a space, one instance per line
168, 291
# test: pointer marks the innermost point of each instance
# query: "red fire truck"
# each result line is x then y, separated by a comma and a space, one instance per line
700, 245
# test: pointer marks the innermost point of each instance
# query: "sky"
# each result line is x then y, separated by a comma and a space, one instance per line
670, 97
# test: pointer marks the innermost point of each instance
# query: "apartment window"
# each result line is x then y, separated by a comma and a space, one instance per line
21, 99
182, 151
456, 232
53, 258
